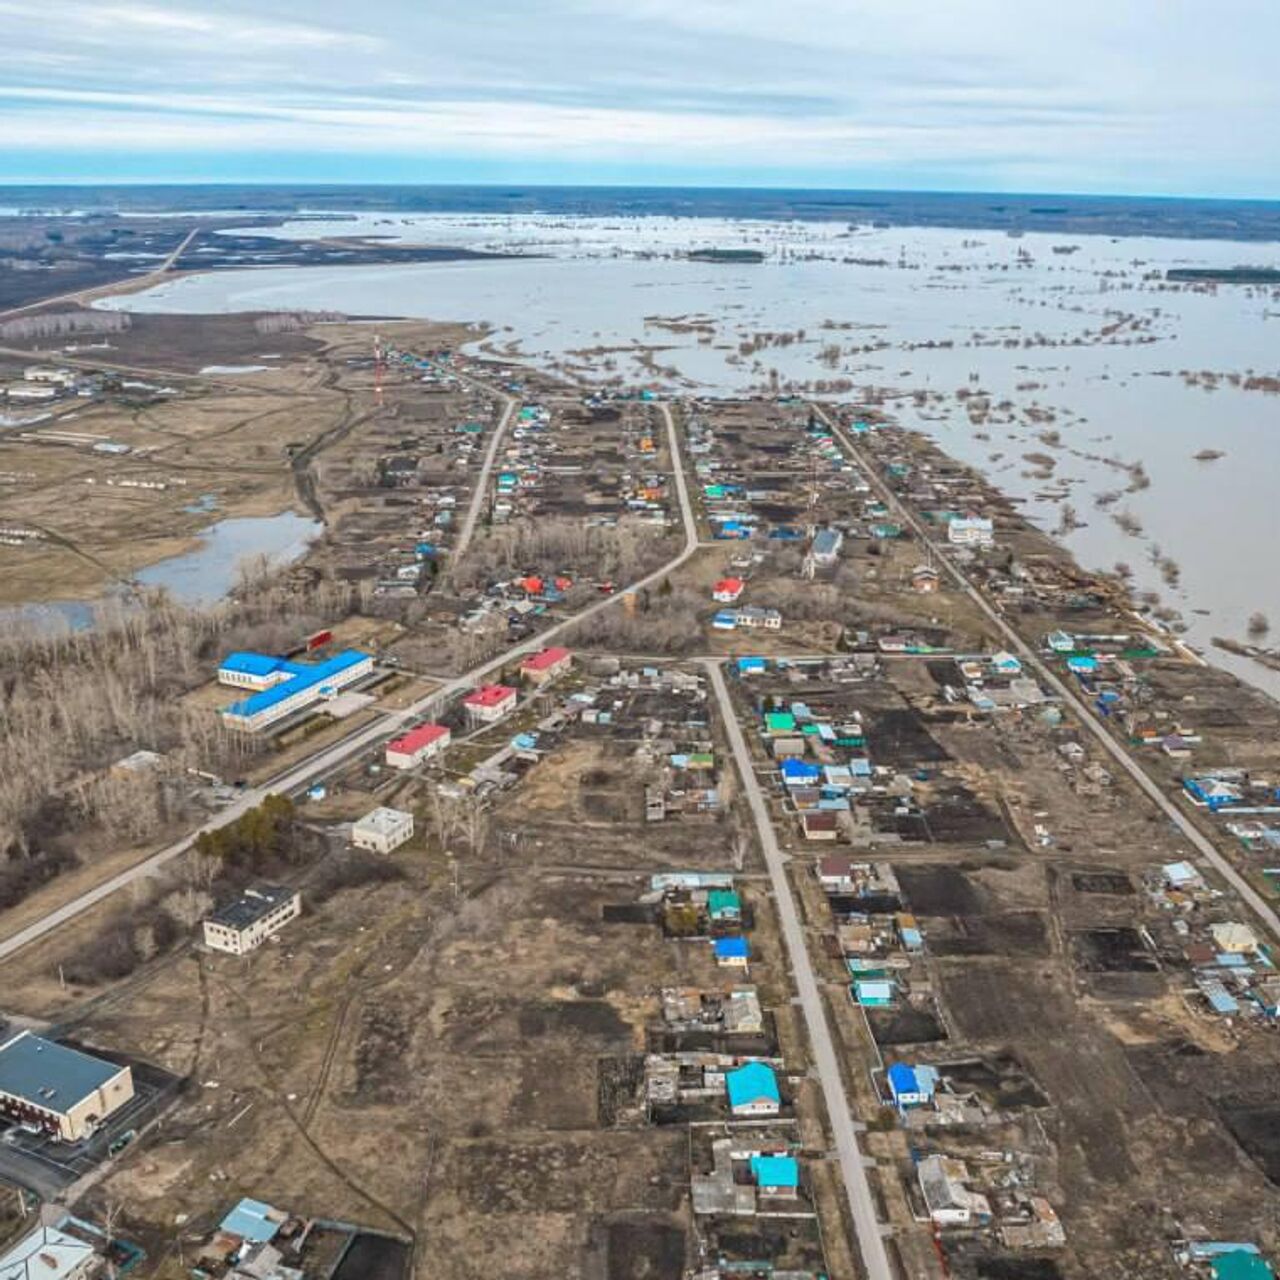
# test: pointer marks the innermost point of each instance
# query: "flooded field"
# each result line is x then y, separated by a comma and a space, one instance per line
1130, 414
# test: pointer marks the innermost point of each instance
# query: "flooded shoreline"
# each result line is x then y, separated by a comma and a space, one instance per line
1126, 414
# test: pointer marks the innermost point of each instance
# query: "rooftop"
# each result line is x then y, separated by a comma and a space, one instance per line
489, 695
383, 820
776, 1171
43, 1255
302, 675
545, 658
417, 738
50, 1075
252, 905
751, 1083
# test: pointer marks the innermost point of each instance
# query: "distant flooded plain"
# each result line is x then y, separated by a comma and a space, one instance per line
1072, 349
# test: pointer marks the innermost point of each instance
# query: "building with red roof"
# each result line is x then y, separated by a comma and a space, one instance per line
727, 590
545, 665
489, 703
417, 745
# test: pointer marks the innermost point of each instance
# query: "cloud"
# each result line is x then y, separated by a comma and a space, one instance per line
1087, 96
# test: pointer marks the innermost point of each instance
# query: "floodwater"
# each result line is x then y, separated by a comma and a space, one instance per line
202, 576
1076, 344
208, 573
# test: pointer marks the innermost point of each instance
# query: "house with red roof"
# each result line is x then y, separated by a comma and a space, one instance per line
489, 703
417, 745
727, 590
546, 665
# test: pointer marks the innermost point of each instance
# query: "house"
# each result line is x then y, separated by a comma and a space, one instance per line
546, 665
949, 1202
753, 616
752, 1090
245, 924
826, 547
820, 824
873, 993
48, 1253
253, 1221
725, 620
417, 745
779, 722
63, 1092
732, 953
1234, 939
752, 666
741, 1012
776, 1176
911, 1086
382, 829
925, 579
799, 773
971, 531
836, 875
727, 590
489, 703
724, 905
1006, 664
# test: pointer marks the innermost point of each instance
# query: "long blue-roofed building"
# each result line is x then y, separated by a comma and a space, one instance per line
283, 687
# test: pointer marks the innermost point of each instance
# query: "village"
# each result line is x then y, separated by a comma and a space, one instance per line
481, 940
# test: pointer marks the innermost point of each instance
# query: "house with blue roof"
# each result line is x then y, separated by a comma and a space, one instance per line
254, 1221
776, 1176
732, 952
752, 1090
799, 773
752, 666
911, 1086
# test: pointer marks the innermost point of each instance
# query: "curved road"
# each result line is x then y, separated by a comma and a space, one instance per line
330, 757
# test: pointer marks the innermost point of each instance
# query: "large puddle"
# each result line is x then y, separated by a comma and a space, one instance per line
202, 576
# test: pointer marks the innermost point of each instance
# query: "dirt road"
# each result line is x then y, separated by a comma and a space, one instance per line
102, 290
870, 1231
334, 756
1018, 645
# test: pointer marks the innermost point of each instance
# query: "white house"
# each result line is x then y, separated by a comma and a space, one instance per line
971, 531
245, 924
417, 745
489, 703
382, 829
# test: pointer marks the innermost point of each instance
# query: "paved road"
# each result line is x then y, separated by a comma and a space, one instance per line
1032, 659
336, 754
856, 1183
114, 286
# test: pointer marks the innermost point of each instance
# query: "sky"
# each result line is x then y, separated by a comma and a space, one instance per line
1093, 96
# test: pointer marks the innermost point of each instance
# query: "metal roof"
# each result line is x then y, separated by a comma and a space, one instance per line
50, 1075
301, 676
255, 903
776, 1171
753, 1082
46, 1252
251, 664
